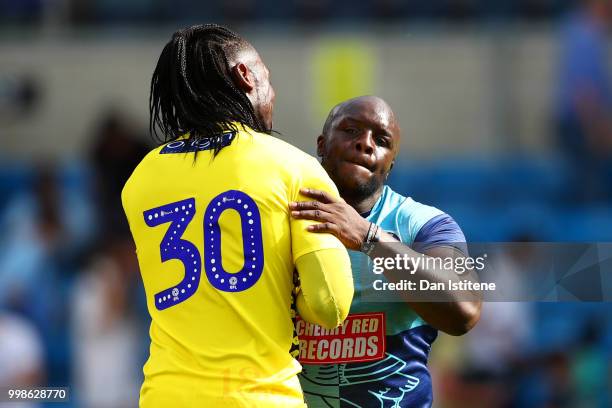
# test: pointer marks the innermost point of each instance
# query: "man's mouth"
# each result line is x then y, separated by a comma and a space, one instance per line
361, 164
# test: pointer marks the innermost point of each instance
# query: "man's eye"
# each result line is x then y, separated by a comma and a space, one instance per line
382, 141
351, 130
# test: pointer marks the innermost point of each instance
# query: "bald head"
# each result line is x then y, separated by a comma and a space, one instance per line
366, 102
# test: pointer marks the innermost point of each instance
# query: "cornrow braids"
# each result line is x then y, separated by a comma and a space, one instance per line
192, 91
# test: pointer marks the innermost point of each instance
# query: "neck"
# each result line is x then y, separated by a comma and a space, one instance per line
363, 204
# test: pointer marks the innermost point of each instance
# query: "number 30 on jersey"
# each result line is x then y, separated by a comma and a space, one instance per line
179, 214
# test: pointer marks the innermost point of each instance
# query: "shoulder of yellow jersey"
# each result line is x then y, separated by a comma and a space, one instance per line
287, 158
126, 187
304, 167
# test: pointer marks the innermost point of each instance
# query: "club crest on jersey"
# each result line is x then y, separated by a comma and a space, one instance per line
185, 146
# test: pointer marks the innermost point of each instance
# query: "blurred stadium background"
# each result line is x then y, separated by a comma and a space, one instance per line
506, 111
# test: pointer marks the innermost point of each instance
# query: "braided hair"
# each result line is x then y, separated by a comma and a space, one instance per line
192, 90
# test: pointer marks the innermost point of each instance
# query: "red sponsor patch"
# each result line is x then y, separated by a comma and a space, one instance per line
361, 337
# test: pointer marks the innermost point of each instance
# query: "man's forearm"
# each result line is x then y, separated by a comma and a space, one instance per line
454, 312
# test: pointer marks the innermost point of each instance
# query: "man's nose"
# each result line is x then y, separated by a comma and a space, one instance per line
365, 142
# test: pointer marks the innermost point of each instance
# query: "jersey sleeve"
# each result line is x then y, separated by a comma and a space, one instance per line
326, 289
441, 230
310, 175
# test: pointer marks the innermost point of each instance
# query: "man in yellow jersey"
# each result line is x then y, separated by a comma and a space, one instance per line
217, 249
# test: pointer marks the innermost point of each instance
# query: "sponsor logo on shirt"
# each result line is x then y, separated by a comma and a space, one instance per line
186, 146
361, 337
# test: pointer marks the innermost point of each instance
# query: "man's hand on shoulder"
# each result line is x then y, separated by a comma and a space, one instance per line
335, 216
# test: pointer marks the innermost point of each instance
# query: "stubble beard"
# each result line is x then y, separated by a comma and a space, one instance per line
358, 193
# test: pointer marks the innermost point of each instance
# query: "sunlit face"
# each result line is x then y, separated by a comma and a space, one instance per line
264, 95
360, 146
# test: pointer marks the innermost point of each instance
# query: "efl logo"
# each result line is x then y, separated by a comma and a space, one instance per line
360, 338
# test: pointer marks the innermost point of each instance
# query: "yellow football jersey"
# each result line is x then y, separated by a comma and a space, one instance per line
216, 247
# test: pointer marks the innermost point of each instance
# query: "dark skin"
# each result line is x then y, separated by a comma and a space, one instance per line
358, 147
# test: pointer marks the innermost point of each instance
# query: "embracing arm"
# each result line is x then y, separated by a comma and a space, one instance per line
454, 312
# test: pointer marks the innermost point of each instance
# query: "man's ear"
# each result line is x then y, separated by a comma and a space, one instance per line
243, 77
390, 168
320, 145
